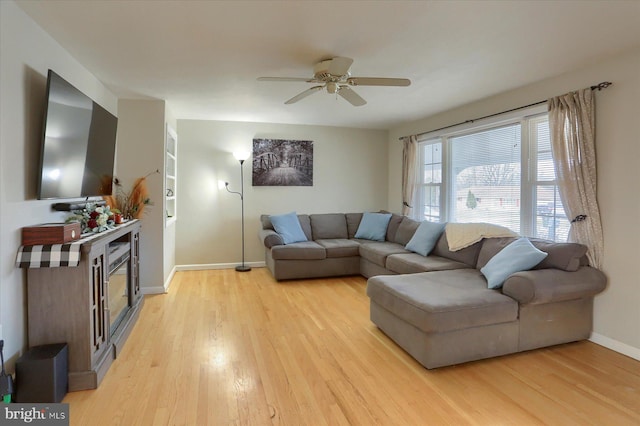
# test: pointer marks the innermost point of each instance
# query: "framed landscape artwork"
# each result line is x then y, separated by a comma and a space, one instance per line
282, 162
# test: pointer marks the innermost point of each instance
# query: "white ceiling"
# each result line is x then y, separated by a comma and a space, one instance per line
203, 57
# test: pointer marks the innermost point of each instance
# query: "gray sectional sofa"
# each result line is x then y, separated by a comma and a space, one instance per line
438, 307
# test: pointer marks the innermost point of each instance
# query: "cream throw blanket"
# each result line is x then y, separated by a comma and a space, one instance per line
461, 235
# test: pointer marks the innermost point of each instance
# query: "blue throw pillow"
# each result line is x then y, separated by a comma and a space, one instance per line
288, 226
425, 237
518, 256
373, 226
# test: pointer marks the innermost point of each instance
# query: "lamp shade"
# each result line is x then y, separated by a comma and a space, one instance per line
241, 155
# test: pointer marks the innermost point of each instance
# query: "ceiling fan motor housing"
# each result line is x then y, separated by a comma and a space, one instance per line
321, 72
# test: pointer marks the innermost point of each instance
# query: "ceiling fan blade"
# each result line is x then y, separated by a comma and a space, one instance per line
352, 97
308, 80
378, 81
303, 95
340, 65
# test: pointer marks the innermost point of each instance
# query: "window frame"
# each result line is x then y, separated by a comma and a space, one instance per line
527, 118
421, 186
534, 183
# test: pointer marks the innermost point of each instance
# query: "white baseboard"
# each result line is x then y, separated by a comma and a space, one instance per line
153, 290
160, 289
167, 283
201, 267
615, 345
165, 288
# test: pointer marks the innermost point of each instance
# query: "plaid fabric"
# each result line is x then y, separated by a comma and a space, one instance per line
55, 255
49, 255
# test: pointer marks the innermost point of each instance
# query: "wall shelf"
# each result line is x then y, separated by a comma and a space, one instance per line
170, 176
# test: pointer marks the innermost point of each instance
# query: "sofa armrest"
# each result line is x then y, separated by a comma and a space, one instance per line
270, 238
554, 285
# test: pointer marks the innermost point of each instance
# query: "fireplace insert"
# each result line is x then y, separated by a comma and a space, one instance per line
119, 283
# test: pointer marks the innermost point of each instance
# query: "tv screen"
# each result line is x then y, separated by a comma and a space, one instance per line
78, 144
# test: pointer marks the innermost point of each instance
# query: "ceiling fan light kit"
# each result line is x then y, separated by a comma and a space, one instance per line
335, 77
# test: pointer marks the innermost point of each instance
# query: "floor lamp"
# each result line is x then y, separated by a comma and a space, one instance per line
241, 157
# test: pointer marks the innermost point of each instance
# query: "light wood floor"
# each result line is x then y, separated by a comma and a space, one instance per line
227, 348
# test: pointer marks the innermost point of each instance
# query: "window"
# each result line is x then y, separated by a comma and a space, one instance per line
550, 220
500, 173
429, 196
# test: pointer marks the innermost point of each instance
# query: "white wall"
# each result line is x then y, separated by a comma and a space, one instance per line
617, 313
141, 133
350, 175
26, 53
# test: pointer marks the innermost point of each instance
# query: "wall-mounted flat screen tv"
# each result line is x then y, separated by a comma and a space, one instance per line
78, 144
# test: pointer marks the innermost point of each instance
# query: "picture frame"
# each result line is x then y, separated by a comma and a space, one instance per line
282, 162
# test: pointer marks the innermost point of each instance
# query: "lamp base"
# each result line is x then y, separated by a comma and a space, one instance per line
243, 268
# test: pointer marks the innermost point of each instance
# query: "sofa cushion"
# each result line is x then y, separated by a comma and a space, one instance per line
425, 237
405, 231
442, 301
468, 255
353, 221
266, 222
307, 250
518, 256
394, 223
377, 252
340, 247
412, 263
373, 226
305, 222
564, 256
328, 226
289, 228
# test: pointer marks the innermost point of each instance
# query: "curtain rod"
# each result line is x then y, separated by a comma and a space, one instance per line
598, 87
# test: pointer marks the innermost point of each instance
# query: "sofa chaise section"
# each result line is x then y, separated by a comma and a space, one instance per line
444, 317
448, 317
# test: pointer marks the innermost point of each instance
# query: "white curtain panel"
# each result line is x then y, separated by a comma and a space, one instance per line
409, 168
572, 127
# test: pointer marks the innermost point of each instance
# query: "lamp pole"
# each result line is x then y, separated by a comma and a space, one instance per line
243, 267
240, 157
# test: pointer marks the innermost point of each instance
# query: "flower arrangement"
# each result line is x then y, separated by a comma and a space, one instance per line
93, 218
130, 204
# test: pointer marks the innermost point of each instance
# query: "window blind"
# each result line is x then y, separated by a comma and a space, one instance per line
486, 170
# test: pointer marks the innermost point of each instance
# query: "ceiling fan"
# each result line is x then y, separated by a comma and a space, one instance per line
334, 75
